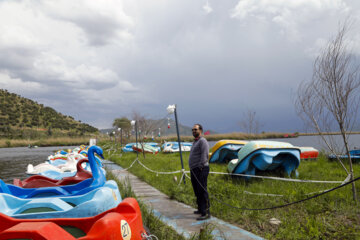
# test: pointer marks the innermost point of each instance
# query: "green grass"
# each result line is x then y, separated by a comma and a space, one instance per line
152, 222
331, 216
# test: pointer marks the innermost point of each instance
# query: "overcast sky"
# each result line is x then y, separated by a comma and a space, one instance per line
97, 60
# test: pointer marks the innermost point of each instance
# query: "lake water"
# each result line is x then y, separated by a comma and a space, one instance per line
13, 161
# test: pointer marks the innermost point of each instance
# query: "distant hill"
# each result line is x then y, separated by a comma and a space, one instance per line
18, 114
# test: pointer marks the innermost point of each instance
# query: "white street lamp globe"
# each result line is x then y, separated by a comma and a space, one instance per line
170, 109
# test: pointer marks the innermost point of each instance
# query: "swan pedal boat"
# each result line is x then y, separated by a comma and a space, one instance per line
87, 205
60, 175
225, 150
146, 148
67, 166
58, 162
98, 180
265, 156
121, 223
171, 147
37, 181
76, 156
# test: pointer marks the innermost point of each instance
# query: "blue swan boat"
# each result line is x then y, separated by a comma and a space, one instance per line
98, 180
87, 205
265, 156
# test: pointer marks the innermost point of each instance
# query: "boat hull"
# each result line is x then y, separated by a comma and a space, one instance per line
355, 156
37, 181
145, 148
85, 186
225, 150
121, 223
308, 153
172, 147
87, 205
265, 156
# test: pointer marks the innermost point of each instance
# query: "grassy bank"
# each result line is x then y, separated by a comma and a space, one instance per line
331, 216
152, 222
61, 141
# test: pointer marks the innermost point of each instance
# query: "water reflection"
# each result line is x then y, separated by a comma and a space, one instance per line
13, 161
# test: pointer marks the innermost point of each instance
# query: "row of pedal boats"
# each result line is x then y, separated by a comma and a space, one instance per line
154, 148
250, 157
242, 157
77, 205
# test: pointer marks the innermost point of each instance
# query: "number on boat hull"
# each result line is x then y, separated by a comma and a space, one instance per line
125, 230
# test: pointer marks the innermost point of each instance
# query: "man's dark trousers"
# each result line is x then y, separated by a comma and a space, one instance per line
199, 177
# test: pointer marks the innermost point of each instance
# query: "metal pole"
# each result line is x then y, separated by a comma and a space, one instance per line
114, 133
178, 136
136, 133
121, 138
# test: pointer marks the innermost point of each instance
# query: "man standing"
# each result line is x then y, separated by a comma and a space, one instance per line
199, 168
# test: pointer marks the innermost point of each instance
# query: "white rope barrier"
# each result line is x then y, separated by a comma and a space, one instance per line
276, 195
279, 195
178, 171
125, 169
280, 179
239, 174
184, 173
263, 194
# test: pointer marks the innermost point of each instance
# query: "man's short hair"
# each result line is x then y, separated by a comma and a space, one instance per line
200, 127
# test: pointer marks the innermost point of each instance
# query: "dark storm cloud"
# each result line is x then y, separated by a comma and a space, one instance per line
214, 59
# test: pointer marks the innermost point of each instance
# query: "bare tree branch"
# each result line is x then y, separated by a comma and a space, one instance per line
331, 99
250, 122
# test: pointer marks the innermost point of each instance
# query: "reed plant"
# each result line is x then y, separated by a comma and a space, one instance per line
330, 216
247, 136
60, 141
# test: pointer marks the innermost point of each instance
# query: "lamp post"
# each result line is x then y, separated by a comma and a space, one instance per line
172, 109
134, 124
114, 138
120, 130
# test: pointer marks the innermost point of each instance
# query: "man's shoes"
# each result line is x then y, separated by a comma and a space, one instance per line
203, 217
197, 212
